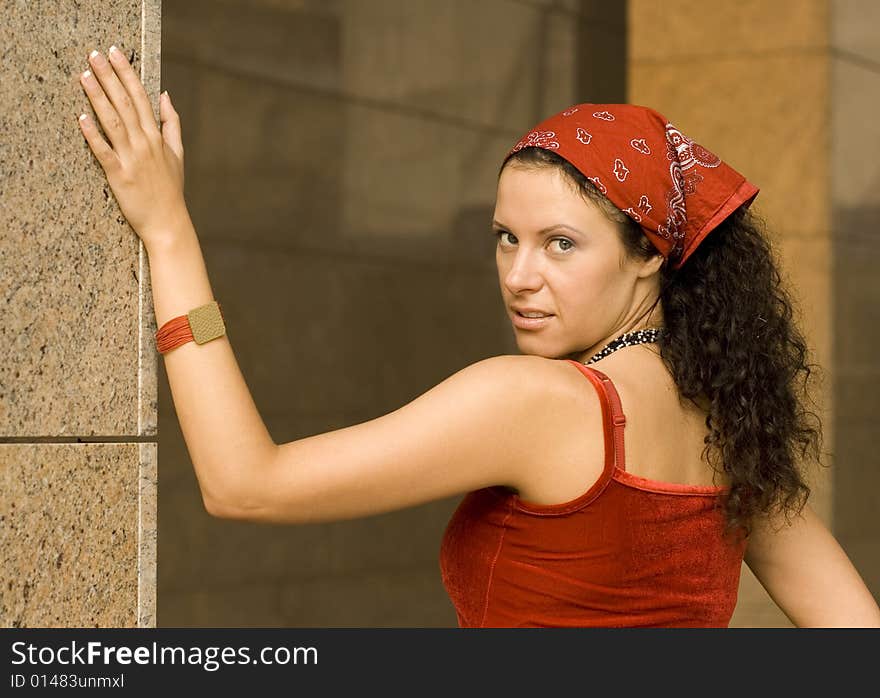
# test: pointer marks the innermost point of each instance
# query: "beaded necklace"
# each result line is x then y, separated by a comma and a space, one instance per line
647, 335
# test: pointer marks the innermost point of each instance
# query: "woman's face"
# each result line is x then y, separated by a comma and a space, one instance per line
558, 254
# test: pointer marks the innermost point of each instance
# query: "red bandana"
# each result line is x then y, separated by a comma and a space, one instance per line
674, 188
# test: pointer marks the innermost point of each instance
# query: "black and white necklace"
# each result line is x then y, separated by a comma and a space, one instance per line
645, 336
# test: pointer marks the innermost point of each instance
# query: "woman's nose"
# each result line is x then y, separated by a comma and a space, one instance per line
523, 274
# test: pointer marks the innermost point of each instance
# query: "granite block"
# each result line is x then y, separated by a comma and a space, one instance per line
77, 535
75, 350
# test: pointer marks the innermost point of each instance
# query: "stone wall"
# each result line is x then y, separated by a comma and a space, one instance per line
77, 357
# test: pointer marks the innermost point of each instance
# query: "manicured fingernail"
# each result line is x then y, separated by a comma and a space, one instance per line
87, 73
112, 49
82, 117
93, 53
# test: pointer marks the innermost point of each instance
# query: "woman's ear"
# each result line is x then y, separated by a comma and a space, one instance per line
651, 265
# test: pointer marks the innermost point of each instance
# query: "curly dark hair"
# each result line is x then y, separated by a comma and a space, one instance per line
733, 347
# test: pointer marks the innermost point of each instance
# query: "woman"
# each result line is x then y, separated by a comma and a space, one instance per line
565, 522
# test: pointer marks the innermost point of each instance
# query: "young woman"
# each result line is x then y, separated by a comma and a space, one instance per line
619, 471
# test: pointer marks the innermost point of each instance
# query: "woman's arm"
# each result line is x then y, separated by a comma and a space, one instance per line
808, 575
482, 426
144, 166
488, 424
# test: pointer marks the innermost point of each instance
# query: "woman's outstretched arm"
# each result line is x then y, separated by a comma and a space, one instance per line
808, 575
484, 425
488, 424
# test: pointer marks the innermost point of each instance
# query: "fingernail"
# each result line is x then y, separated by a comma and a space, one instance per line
112, 49
82, 117
93, 53
87, 73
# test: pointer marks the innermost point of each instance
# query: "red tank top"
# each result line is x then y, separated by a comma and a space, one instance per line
628, 552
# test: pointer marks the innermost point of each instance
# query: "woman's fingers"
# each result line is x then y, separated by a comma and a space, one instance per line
115, 92
107, 158
110, 121
136, 91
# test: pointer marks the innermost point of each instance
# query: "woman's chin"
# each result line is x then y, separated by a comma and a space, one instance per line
543, 349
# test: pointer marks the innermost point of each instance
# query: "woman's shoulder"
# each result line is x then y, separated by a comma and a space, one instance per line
548, 392
531, 375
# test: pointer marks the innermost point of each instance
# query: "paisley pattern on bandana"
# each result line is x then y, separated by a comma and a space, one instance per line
640, 145
540, 139
693, 190
583, 136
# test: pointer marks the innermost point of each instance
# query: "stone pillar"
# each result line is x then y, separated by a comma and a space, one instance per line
77, 356
786, 92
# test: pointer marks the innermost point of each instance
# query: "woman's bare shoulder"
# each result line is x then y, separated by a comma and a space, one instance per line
540, 376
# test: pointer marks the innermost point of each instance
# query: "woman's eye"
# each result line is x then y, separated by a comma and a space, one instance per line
501, 233
568, 244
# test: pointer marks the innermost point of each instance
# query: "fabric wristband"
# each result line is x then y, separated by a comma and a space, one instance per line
200, 325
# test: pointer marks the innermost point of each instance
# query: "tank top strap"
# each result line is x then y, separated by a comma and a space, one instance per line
613, 419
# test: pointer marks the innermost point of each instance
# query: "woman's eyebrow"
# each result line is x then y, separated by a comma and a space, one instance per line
543, 231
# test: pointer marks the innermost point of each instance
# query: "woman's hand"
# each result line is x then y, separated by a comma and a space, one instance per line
143, 165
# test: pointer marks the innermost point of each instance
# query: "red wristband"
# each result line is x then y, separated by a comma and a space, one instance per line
200, 325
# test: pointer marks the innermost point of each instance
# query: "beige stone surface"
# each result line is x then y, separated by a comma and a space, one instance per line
854, 29
77, 347
684, 30
72, 357
73, 545
147, 527
855, 133
753, 113
807, 267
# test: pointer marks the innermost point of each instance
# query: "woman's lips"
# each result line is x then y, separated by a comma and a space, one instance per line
531, 323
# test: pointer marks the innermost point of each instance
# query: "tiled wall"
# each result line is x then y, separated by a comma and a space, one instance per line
349, 152
77, 364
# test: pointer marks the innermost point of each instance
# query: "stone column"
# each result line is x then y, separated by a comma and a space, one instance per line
77, 355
